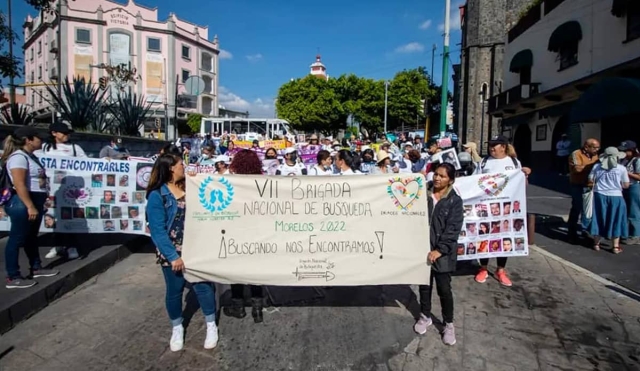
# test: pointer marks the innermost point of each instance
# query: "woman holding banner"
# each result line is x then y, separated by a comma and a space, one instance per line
446, 216
166, 214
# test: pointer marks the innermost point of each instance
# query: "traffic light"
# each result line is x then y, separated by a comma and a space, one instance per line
102, 83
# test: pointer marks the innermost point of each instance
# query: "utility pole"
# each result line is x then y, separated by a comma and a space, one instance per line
12, 87
433, 59
445, 71
59, 41
386, 88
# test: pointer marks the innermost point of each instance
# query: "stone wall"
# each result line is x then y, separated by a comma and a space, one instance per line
93, 143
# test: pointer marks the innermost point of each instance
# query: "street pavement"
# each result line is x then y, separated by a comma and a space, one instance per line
553, 318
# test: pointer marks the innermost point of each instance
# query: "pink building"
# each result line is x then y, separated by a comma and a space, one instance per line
103, 32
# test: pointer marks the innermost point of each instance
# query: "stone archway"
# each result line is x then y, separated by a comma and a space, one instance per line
522, 143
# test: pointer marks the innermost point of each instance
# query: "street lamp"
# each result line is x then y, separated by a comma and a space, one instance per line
386, 88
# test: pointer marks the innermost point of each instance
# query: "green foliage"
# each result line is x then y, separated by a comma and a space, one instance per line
130, 114
16, 114
194, 121
312, 103
81, 102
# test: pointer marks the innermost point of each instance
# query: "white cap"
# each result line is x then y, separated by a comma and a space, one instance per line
364, 148
223, 158
289, 150
407, 144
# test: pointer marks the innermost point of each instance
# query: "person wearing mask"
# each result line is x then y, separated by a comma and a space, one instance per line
166, 211
368, 162
26, 205
581, 163
498, 161
115, 150
246, 162
61, 146
291, 166
323, 165
632, 194
206, 158
446, 216
608, 178
271, 154
562, 154
472, 149
221, 163
344, 162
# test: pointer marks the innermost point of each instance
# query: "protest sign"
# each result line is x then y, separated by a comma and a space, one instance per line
307, 231
93, 196
495, 217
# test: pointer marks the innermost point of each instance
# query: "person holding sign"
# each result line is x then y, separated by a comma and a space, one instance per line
291, 166
166, 214
446, 217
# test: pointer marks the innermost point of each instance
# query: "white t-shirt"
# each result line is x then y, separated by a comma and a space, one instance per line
316, 170
294, 170
609, 182
562, 148
633, 167
495, 166
36, 175
62, 149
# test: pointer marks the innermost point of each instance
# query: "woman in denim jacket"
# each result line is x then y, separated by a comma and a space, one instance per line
166, 215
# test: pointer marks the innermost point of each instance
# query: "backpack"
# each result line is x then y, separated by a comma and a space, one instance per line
6, 185
483, 163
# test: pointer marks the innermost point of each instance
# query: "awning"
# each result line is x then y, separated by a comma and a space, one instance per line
616, 96
619, 7
566, 34
522, 59
517, 120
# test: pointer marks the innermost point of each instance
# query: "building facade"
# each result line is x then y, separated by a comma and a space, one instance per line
318, 68
100, 32
570, 67
484, 24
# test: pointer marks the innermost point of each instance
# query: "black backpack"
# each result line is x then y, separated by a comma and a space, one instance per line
6, 185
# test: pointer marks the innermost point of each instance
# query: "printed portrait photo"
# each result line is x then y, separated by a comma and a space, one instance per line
463, 233
137, 225
495, 227
518, 225
105, 211
507, 245
91, 212
111, 180
109, 197
58, 176
124, 197
495, 208
124, 225
460, 249
116, 212
483, 229
109, 226
138, 197
49, 221
519, 244
50, 203
483, 247
96, 181
66, 213
506, 225
471, 248
124, 181
506, 208
468, 211
472, 229
516, 208
134, 212
481, 211
494, 246
78, 213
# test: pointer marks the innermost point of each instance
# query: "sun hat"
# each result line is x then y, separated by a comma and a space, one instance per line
609, 159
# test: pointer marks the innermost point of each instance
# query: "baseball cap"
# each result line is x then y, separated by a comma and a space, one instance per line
498, 139
290, 150
627, 145
27, 132
222, 158
60, 127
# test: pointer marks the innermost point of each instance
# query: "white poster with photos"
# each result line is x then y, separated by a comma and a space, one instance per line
494, 216
93, 196
449, 156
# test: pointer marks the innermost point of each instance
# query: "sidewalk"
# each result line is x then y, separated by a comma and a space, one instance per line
554, 318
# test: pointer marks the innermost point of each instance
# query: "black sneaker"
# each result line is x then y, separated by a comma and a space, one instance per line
44, 273
19, 283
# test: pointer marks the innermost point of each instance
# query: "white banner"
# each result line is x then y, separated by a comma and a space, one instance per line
306, 231
495, 222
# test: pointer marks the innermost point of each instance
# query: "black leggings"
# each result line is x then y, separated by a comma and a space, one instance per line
502, 262
237, 291
443, 286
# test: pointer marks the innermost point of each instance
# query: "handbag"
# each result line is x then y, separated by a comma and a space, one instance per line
587, 205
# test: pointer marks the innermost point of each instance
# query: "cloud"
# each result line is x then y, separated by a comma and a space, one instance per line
225, 54
414, 47
257, 108
454, 19
254, 57
425, 25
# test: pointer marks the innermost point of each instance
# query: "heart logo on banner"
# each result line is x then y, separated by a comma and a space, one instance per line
404, 191
493, 184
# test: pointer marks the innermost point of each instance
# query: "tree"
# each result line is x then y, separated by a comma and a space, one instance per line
81, 102
130, 114
406, 95
194, 121
16, 114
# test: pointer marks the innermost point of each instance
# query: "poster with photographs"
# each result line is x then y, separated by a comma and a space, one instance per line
94, 196
494, 216
449, 156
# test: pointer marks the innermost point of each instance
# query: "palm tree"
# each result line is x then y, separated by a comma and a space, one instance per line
17, 114
80, 103
129, 113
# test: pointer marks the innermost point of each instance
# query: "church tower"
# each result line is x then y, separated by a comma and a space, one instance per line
318, 69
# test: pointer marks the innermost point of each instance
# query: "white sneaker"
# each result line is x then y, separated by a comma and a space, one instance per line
52, 253
211, 341
72, 253
177, 338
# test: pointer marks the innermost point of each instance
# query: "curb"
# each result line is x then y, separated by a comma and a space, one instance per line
44, 294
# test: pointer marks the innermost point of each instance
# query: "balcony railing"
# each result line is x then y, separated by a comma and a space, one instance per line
514, 95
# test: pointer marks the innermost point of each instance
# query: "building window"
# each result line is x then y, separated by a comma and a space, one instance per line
186, 52
568, 56
83, 36
185, 75
33, 79
31, 53
39, 47
39, 72
33, 98
633, 23
153, 44
40, 98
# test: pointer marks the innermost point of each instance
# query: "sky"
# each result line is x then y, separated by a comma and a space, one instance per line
265, 43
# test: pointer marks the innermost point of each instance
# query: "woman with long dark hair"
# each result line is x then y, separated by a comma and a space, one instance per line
166, 214
344, 162
446, 215
246, 162
26, 205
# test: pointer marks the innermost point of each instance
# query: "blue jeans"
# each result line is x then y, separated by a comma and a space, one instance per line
23, 233
176, 283
632, 196
576, 207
